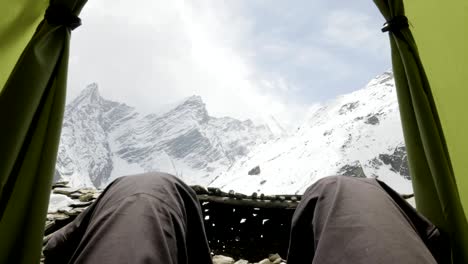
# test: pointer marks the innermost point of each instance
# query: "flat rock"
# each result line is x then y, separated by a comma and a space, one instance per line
265, 261
278, 261
86, 197
87, 190
75, 195
80, 204
273, 257
220, 259
60, 184
66, 212
65, 190
57, 216
73, 212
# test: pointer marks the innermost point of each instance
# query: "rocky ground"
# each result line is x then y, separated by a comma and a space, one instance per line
66, 203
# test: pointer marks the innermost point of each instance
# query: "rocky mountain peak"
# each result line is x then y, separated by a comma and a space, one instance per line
385, 79
91, 88
193, 102
91, 91
194, 99
103, 139
193, 107
89, 96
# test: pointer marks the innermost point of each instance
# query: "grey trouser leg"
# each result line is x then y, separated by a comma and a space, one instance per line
350, 220
148, 218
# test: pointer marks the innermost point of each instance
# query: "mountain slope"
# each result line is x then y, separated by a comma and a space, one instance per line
357, 134
102, 140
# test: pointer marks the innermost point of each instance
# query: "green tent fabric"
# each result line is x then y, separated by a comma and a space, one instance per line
433, 177
32, 95
32, 103
19, 20
439, 29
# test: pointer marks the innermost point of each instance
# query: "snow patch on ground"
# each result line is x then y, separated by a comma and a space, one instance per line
59, 202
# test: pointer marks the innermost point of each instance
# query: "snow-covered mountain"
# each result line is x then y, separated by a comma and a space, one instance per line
357, 134
102, 140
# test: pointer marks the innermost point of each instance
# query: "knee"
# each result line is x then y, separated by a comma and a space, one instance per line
330, 179
331, 183
149, 181
149, 178
327, 181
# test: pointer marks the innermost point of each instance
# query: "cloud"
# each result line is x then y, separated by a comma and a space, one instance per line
352, 29
247, 59
149, 53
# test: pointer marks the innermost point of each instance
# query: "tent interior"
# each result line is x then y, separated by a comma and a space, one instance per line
430, 63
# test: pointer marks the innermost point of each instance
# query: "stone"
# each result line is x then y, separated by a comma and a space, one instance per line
60, 184
80, 204
327, 133
353, 169
277, 261
265, 261
86, 197
57, 216
199, 189
241, 261
254, 171
220, 259
240, 196
254, 195
65, 191
349, 107
87, 190
72, 212
75, 195
273, 257
372, 120
398, 161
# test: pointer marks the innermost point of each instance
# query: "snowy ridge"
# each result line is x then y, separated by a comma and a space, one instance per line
358, 134
102, 140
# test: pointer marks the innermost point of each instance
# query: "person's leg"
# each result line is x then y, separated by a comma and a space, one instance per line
148, 218
350, 220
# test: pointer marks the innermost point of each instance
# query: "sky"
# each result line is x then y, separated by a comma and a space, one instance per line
245, 58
